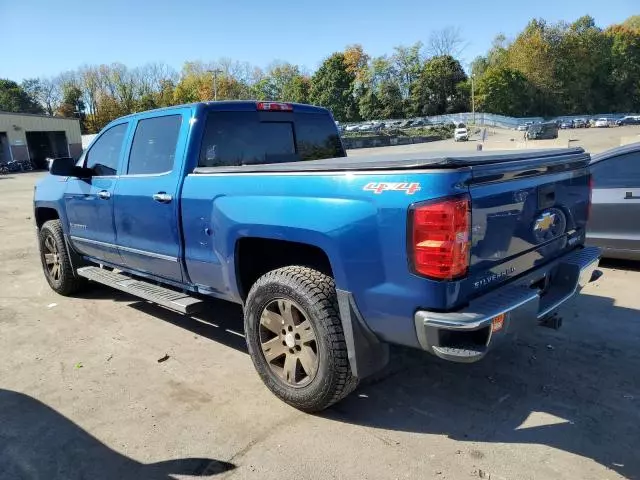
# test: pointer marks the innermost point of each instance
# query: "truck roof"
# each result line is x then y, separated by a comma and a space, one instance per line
230, 105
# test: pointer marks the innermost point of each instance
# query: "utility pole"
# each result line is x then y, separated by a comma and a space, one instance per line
473, 101
215, 82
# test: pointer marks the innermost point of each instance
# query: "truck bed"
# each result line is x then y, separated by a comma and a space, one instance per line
414, 161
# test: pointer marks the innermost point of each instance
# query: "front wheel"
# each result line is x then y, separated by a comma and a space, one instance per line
295, 338
56, 262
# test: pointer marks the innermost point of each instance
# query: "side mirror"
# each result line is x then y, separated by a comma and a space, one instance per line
66, 167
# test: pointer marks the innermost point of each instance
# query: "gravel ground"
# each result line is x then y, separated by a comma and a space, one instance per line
83, 394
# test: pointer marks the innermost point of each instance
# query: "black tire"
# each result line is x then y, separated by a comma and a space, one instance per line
314, 294
63, 280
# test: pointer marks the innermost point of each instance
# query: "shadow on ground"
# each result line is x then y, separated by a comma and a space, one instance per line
36, 442
576, 390
617, 264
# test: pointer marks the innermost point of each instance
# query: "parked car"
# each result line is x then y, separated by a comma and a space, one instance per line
540, 131
332, 258
461, 134
566, 124
614, 223
601, 123
580, 123
628, 120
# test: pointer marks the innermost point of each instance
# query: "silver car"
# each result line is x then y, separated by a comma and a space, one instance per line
614, 223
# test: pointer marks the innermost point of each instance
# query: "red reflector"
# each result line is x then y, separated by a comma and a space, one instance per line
441, 239
497, 323
275, 107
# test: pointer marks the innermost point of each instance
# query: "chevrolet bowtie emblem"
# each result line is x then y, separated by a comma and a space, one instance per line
545, 222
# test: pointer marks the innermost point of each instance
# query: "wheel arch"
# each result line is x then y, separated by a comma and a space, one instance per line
44, 214
256, 256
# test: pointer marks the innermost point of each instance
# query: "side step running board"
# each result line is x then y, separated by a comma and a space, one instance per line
178, 301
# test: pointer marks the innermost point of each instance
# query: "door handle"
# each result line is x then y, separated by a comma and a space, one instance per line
631, 196
162, 197
104, 194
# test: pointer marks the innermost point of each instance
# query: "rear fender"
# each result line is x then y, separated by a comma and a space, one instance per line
345, 229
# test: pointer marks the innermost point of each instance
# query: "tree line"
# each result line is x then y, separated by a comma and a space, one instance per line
546, 70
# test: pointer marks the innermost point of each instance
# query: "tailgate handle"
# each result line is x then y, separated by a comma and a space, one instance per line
631, 196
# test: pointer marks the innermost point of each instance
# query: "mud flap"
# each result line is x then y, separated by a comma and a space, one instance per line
367, 354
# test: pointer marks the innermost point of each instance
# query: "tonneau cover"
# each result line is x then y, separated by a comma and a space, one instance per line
407, 161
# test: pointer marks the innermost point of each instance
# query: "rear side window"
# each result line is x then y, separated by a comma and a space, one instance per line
248, 138
104, 154
154, 145
622, 171
317, 137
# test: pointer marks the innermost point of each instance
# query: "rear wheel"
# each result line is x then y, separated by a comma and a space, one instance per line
295, 338
56, 262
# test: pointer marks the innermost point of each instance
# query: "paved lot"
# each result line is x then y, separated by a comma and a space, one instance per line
593, 140
82, 394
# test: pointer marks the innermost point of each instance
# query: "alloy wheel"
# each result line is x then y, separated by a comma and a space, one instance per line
52, 258
289, 343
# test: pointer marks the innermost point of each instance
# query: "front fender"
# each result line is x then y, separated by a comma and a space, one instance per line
49, 193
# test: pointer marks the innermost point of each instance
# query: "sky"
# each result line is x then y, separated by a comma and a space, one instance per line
46, 37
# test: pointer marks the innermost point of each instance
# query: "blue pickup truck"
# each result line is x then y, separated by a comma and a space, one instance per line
332, 257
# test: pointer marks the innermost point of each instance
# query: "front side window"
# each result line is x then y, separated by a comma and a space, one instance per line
104, 154
154, 145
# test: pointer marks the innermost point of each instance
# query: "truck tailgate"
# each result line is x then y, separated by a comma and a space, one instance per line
525, 213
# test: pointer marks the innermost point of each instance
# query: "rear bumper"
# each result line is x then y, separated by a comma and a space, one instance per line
466, 335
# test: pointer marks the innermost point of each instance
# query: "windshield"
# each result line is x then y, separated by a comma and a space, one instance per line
249, 138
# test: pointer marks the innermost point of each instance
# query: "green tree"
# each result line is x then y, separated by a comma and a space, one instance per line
283, 82
297, 89
632, 23
13, 98
369, 105
436, 90
407, 65
165, 93
504, 91
582, 67
332, 86
390, 96
534, 53
72, 105
625, 68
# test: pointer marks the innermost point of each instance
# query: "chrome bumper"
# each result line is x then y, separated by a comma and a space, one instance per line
466, 335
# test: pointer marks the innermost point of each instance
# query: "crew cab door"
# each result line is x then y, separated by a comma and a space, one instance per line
615, 210
146, 198
89, 201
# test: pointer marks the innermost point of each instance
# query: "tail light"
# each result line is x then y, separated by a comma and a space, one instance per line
275, 106
440, 237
